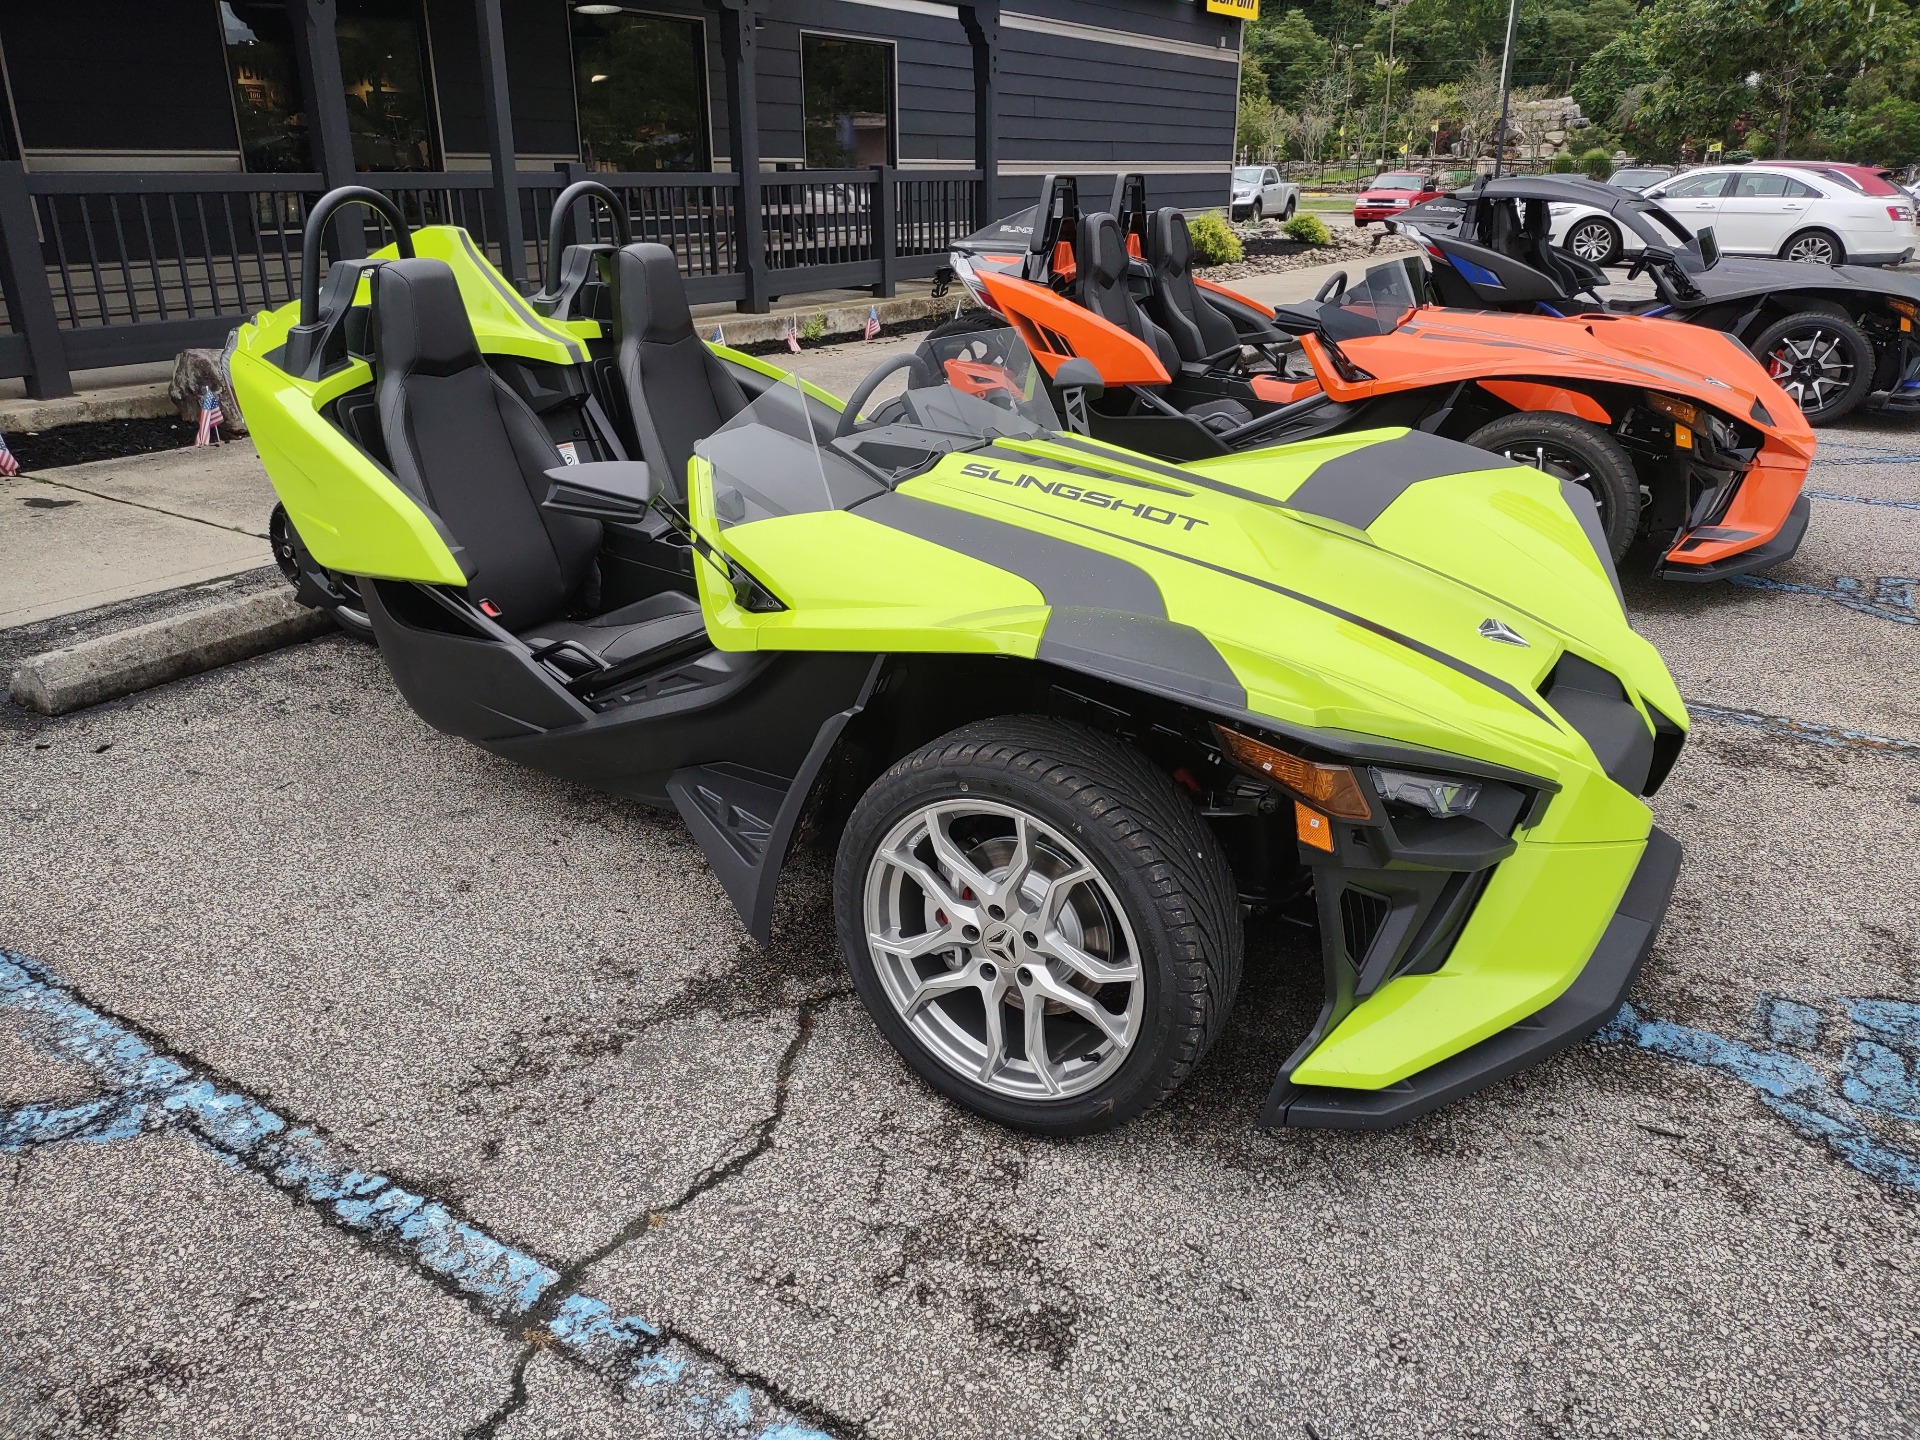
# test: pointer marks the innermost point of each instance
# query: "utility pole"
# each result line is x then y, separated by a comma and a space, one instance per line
1386, 104
1506, 88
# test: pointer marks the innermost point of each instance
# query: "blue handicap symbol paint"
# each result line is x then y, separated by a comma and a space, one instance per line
1889, 597
1863, 500
147, 1092
1849, 1080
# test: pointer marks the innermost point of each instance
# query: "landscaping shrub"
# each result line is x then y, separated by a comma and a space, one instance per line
1308, 230
1564, 163
1214, 242
1597, 163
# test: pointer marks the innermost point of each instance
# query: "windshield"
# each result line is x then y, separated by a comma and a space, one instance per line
1637, 179
791, 453
1399, 182
1385, 296
1247, 175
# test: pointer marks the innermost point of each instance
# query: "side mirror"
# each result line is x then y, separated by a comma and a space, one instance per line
616, 491
1076, 380
1082, 375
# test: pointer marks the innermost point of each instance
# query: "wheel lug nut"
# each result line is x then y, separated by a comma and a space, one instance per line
1024, 975
996, 912
987, 972
1032, 939
970, 932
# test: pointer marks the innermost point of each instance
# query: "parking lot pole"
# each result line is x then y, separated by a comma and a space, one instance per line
1506, 88
499, 122
740, 51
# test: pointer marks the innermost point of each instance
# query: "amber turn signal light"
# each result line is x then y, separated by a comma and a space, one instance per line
1331, 788
1680, 410
1312, 827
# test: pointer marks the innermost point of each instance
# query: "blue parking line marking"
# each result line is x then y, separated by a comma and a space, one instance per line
1891, 597
1800, 1091
1836, 736
1864, 500
151, 1092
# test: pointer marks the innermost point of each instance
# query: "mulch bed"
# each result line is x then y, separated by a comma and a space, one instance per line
96, 440
1269, 251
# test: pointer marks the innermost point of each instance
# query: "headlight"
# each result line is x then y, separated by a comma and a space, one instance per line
1441, 796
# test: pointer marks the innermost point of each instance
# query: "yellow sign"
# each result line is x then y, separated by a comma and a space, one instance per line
1239, 9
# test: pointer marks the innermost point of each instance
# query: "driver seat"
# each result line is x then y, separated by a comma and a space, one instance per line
1199, 331
1101, 286
677, 390
471, 451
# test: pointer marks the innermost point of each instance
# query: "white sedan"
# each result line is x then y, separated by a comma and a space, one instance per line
1759, 210
1258, 191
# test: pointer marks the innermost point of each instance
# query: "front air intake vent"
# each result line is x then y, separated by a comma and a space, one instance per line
1362, 913
1595, 704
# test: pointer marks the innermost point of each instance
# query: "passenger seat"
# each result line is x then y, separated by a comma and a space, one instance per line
1101, 286
1199, 331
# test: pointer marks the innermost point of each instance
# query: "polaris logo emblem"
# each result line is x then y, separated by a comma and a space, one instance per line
1502, 633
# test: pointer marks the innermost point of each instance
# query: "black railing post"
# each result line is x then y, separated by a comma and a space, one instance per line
886, 227
23, 273
982, 23
739, 49
499, 117
316, 48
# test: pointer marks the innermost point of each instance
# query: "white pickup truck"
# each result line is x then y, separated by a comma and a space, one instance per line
1259, 192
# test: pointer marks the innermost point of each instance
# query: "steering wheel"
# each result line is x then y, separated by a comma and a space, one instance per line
1336, 285
856, 402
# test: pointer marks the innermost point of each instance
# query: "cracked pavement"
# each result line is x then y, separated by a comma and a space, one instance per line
534, 1004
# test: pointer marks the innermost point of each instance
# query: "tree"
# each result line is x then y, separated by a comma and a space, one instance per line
1612, 80
1292, 56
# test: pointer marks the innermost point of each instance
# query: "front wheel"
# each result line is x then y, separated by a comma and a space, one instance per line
1039, 923
1576, 451
312, 582
1293, 204
1823, 361
1594, 241
1259, 211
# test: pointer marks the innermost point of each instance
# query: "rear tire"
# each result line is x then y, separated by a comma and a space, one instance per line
1293, 203
1595, 241
1822, 360
1120, 878
1574, 450
1814, 247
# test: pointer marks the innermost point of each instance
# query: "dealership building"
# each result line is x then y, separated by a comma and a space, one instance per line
160, 155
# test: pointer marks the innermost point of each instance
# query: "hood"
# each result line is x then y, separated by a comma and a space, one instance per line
1436, 346
1341, 584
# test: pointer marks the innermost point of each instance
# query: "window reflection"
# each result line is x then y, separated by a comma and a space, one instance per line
640, 86
266, 86
848, 101
383, 65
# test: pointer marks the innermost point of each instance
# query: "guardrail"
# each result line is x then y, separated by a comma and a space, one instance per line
101, 269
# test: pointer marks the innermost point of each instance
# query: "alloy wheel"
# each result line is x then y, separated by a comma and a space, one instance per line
1003, 949
1563, 465
1812, 250
1591, 242
1811, 365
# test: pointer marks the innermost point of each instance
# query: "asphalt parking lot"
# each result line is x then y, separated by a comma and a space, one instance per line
356, 1083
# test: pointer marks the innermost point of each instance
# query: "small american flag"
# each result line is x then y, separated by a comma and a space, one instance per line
872, 332
210, 419
793, 333
719, 336
8, 465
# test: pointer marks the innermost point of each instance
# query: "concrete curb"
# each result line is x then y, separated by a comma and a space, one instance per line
121, 402
847, 318
109, 666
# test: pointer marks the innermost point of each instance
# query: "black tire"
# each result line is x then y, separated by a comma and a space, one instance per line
1821, 354
314, 584
1575, 450
1152, 854
1258, 212
1293, 203
1593, 240
1814, 247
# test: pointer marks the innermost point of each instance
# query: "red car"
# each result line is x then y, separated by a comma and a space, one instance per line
1385, 196
1867, 179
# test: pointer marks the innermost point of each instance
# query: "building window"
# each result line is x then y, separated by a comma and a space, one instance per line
383, 62
640, 88
848, 98
266, 86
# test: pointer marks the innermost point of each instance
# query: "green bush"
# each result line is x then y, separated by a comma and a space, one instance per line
1597, 164
1564, 163
1308, 230
1738, 157
1214, 242
814, 328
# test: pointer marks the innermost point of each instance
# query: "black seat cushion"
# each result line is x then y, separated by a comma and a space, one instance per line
635, 629
677, 391
470, 450
1101, 285
1197, 328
